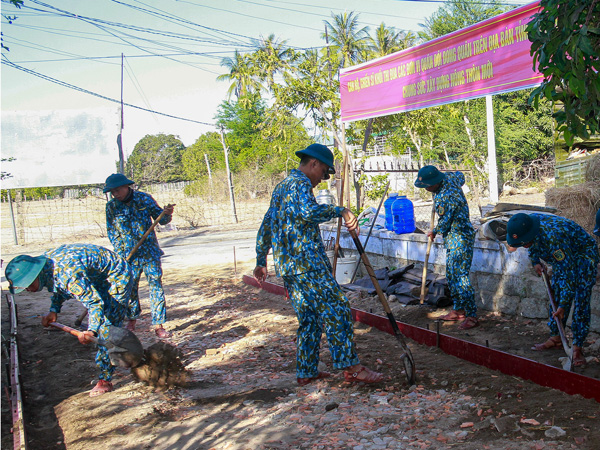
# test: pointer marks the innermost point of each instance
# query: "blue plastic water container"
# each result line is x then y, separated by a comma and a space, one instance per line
387, 205
403, 212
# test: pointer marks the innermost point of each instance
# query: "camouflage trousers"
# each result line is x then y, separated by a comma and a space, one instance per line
320, 304
585, 274
153, 271
459, 256
114, 314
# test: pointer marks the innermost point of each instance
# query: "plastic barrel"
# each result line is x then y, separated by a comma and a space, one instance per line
387, 205
404, 215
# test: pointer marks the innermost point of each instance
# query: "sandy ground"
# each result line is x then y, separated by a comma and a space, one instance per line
238, 344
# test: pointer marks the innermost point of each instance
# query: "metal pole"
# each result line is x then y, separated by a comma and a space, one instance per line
492, 166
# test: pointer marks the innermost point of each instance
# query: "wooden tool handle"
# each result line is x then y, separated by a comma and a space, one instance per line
72, 331
429, 243
146, 234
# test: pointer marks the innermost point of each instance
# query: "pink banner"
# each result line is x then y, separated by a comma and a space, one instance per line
489, 57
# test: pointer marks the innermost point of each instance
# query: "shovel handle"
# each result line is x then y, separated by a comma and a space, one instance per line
147, 233
429, 243
72, 331
561, 330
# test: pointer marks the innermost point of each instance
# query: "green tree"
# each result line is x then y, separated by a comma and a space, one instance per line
207, 147
347, 37
270, 58
241, 73
156, 159
565, 44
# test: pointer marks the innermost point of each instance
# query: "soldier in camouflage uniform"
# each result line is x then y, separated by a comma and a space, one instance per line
129, 214
291, 228
573, 255
97, 277
455, 226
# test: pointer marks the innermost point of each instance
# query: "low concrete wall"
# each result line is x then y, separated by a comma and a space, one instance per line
503, 281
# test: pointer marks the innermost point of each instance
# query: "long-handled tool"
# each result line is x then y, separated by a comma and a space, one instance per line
406, 357
131, 253
429, 242
124, 348
561, 329
370, 230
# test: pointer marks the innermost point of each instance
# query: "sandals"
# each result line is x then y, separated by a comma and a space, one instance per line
454, 316
549, 344
305, 381
468, 323
102, 387
162, 333
363, 375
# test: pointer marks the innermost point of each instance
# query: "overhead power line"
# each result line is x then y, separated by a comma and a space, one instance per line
7, 62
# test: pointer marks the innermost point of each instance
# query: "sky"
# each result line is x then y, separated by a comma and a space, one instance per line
63, 66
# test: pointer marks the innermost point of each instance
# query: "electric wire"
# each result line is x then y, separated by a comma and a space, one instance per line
8, 63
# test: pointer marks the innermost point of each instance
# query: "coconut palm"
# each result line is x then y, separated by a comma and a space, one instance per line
388, 40
241, 74
271, 56
348, 39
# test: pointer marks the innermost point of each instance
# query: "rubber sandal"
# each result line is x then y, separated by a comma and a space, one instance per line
305, 381
162, 333
453, 316
548, 345
578, 359
368, 377
468, 323
102, 387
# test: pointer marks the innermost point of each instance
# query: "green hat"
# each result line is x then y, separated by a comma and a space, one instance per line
22, 271
429, 176
320, 152
116, 180
521, 229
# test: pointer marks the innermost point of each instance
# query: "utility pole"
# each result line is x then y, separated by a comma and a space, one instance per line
119, 137
229, 179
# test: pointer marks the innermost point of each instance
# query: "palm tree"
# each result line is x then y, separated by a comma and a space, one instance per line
348, 39
241, 74
387, 40
271, 56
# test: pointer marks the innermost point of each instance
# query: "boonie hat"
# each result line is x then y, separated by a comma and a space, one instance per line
320, 152
22, 271
115, 180
521, 229
428, 176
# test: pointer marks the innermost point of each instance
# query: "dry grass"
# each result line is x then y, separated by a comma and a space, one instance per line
592, 172
578, 203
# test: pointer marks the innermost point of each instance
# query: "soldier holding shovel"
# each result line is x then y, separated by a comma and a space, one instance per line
574, 258
129, 216
95, 276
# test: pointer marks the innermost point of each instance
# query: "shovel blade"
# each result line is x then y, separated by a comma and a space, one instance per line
124, 347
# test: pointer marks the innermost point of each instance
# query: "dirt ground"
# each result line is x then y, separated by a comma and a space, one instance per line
238, 346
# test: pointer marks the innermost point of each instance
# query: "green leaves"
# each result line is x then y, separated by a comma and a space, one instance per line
565, 44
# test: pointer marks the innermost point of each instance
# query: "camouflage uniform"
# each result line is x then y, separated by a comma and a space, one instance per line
126, 223
291, 228
573, 255
455, 226
99, 279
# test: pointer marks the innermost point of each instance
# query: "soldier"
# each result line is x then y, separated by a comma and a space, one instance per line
573, 255
455, 226
291, 228
97, 277
129, 214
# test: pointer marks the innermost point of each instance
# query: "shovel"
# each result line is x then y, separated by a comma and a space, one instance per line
424, 290
561, 330
124, 348
406, 357
133, 250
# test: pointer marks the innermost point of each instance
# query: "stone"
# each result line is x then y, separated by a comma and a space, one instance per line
536, 287
554, 432
485, 300
488, 282
508, 304
514, 286
534, 308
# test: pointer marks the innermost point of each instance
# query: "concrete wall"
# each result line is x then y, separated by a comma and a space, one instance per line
503, 281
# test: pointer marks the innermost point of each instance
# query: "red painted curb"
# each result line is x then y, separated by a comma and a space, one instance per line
570, 382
